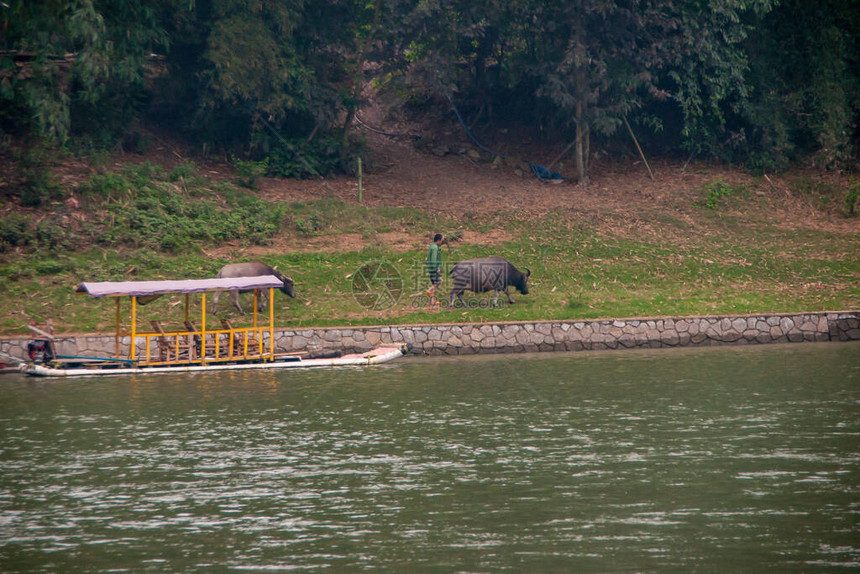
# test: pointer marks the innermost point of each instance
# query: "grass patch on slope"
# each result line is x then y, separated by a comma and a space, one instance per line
581, 275
580, 269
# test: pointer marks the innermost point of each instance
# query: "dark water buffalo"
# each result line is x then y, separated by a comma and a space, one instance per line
490, 273
251, 269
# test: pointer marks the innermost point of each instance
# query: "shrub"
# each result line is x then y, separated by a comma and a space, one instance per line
183, 171
104, 186
40, 186
851, 197
714, 192
14, 231
302, 159
250, 171
309, 225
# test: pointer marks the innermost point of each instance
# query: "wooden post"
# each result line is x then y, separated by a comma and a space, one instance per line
359, 180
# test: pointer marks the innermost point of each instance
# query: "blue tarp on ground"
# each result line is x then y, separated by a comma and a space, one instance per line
543, 173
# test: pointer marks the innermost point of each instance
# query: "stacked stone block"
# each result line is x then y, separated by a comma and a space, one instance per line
528, 336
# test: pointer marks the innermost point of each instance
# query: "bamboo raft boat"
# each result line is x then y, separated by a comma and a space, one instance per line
192, 349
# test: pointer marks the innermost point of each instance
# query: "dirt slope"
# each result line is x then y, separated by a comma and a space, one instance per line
620, 196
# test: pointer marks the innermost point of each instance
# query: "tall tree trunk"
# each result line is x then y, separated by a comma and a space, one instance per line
579, 148
580, 78
357, 83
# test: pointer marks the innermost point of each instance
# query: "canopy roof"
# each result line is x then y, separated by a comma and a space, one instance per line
141, 288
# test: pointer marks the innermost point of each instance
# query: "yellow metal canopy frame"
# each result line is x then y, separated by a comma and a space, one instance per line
160, 347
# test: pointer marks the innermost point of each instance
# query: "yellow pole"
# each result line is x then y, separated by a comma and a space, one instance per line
133, 324
203, 329
272, 323
117, 328
256, 333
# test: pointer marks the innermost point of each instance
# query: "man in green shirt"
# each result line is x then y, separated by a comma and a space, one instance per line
434, 266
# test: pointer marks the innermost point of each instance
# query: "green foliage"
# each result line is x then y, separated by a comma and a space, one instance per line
577, 271
51, 235
715, 191
820, 194
250, 171
106, 186
98, 88
39, 186
50, 266
14, 231
160, 218
145, 207
763, 82
309, 225
301, 159
852, 196
181, 172
805, 80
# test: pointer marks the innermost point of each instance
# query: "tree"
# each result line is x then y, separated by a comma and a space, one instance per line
804, 100
56, 54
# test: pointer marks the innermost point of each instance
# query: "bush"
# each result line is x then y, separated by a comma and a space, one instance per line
39, 184
104, 186
716, 191
250, 171
184, 171
820, 194
14, 231
309, 225
302, 159
851, 197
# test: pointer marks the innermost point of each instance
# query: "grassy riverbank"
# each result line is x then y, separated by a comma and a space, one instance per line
687, 257
726, 258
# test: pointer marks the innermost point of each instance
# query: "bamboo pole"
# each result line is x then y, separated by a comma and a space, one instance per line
561, 155
641, 153
359, 179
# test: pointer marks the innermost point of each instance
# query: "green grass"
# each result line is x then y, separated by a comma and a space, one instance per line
580, 269
578, 276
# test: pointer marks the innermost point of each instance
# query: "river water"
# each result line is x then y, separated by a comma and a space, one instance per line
710, 460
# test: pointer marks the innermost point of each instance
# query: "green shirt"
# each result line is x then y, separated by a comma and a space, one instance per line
434, 258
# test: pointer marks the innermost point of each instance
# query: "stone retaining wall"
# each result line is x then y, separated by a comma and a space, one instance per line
464, 339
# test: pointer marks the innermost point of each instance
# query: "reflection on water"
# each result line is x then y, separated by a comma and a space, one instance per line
720, 459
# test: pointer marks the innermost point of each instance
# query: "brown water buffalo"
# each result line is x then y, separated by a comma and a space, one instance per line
489, 273
251, 269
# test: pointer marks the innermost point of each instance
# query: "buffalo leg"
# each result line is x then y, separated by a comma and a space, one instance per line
510, 299
458, 295
234, 295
